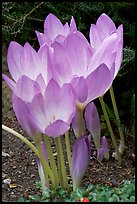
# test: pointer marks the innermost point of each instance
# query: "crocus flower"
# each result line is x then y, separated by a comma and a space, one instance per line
71, 65
50, 114
103, 151
101, 31
55, 31
80, 159
40, 169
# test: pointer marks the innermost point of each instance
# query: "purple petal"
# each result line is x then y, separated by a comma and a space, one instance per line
95, 40
105, 25
93, 123
73, 26
53, 27
99, 81
57, 128
80, 159
105, 147
9, 82
79, 54
26, 88
59, 102
100, 153
62, 70
80, 88
13, 60
23, 116
42, 38
104, 54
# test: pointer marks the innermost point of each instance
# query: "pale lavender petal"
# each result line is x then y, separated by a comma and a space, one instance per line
41, 83
13, 60
62, 70
99, 81
80, 88
79, 54
57, 128
105, 25
93, 123
66, 29
60, 39
104, 54
80, 159
53, 27
26, 88
75, 125
44, 151
9, 82
95, 40
42, 38
73, 26
23, 116
59, 102
100, 153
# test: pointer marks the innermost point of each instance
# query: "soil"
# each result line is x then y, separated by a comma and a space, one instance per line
20, 163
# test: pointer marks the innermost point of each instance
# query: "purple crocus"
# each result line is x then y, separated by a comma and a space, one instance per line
50, 114
80, 159
54, 30
72, 64
101, 31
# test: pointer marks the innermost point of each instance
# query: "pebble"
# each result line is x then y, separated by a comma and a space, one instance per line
3, 175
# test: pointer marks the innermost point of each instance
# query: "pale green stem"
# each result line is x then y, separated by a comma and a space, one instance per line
80, 122
111, 131
68, 150
117, 119
27, 142
45, 166
51, 159
62, 162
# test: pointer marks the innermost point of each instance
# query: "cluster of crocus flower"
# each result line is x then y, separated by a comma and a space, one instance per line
54, 88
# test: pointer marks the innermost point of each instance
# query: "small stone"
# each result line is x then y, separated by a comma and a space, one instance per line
7, 181
3, 175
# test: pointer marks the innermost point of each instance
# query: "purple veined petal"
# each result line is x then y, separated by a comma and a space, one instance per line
60, 39
42, 38
26, 88
99, 81
62, 69
57, 128
80, 159
105, 25
9, 82
105, 148
22, 113
59, 102
80, 88
79, 54
41, 83
104, 54
13, 60
45, 67
75, 125
66, 29
73, 26
37, 112
29, 61
53, 27
95, 40
120, 32
93, 123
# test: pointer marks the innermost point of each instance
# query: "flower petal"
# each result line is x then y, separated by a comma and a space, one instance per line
57, 128
93, 123
53, 27
42, 38
99, 81
10, 82
95, 40
73, 26
13, 60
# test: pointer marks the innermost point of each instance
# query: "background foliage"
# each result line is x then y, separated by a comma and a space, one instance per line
21, 20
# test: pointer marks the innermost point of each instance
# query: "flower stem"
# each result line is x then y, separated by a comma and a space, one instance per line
51, 159
68, 149
46, 167
25, 140
117, 119
80, 122
110, 130
62, 169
